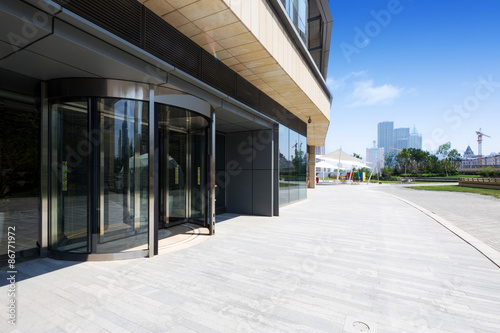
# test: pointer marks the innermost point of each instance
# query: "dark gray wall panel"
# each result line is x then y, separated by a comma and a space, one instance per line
239, 192
263, 149
239, 149
262, 203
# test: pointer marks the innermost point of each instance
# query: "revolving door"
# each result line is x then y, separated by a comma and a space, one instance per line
183, 166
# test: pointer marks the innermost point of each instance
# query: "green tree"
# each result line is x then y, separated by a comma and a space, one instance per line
357, 156
390, 160
451, 160
418, 160
433, 165
443, 149
403, 160
386, 172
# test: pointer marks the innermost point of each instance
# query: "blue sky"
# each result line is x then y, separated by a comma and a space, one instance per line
430, 64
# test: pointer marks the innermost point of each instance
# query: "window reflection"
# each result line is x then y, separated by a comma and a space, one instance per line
69, 176
19, 175
124, 175
292, 166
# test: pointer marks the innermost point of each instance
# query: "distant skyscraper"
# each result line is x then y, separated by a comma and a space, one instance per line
401, 136
320, 150
385, 135
415, 140
375, 156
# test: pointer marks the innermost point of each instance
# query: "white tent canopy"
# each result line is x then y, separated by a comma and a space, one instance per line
326, 165
339, 157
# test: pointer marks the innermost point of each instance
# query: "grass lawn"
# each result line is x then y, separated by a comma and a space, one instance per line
456, 188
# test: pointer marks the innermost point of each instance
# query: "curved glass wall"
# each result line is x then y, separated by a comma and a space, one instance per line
124, 175
183, 165
102, 167
103, 159
69, 176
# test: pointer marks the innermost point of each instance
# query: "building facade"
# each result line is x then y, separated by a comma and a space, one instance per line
121, 118
395, 139
415, 140
471, 160
385, 135
320, 150
401, 137
375, 157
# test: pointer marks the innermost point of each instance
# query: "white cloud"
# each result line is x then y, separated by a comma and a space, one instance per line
334, 84
365, 94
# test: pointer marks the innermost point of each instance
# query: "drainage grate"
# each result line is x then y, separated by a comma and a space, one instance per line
356, 325
359, 326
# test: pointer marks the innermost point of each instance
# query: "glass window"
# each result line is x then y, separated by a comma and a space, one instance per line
293, 180
198, 181
220, 171
70, 152
124, 160
302, 161
19, 176
284, 164
297, 12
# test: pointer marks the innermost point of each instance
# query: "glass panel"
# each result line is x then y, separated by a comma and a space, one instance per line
163, 165
19, 176
284, 164
183, 153
177, 176
123, 176
220, 171
143, 138
293, 180
302, 161
69, 176
198, 176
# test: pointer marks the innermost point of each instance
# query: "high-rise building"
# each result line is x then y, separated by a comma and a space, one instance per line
385, 135
415, 139
320, 150
375, 158
122, 117
401, 136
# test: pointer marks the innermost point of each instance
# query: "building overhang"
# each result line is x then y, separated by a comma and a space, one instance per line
248, 37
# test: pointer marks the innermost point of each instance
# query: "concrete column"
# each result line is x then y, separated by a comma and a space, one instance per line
311, 166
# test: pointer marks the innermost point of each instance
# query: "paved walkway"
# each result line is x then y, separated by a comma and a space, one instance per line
475, 214
346, 259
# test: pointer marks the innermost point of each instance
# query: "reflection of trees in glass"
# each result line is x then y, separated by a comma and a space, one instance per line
19, 155
299, 162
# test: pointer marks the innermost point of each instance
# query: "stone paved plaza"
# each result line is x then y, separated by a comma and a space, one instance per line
348, 259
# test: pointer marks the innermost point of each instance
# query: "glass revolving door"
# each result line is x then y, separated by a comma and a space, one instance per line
183, 167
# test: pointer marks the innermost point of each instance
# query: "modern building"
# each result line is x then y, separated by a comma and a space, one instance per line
415, 139
320, 150
394, 139
375, 158
385, 135
120, 118
401, 137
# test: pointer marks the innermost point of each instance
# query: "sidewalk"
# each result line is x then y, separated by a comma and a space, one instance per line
473, 213
346, 259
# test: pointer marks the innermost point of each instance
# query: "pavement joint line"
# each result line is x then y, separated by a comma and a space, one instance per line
490, 253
